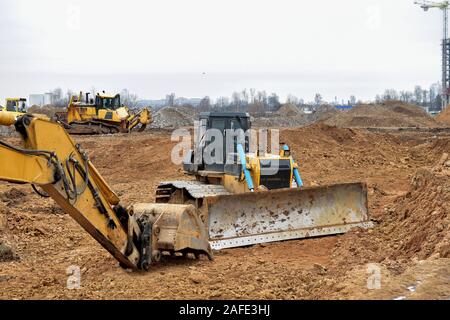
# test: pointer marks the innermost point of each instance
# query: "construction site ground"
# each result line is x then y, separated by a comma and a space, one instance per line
408, 177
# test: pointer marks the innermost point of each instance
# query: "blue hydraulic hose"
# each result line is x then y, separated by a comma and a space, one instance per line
297, 177
247, 174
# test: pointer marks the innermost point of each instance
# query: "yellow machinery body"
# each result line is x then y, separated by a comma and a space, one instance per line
104, 114
15, 106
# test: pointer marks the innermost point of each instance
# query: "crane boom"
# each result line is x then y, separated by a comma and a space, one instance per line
444, 6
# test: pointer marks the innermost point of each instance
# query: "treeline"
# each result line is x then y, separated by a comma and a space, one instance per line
425, 97
259, 101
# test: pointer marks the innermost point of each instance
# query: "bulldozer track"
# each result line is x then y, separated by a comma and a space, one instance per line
91, 128
194, 189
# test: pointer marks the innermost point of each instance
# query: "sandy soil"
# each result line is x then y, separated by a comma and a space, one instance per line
444, 117
388, 114
408, 189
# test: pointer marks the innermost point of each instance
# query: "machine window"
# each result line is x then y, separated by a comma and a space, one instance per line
10, 106
218, 124
235, 124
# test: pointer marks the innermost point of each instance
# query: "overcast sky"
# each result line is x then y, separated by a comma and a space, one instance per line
214, 47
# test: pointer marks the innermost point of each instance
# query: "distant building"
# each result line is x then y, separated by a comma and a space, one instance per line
308, 110
41, 99
36, 100
48, 98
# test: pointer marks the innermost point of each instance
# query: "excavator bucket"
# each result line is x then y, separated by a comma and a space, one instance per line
175, 228
259, 217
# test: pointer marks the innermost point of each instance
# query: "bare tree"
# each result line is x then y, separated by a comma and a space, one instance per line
261, 97
252, 95
318, 100
69, 95
170, 99
236, 100
378, 99
222, 102
390, 94
291, 99
418, 94
244, 97
130, 100
58, 97
404, 96
274, 102
205, 104
425, 97
434, 95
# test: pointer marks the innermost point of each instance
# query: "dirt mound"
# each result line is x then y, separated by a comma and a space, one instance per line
47, 110
415, 227
277, 121
291, 116
289, 110
389, 114
444, 116
340, 135
174, 117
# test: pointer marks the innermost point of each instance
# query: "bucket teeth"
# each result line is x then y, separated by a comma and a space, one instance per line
175, 228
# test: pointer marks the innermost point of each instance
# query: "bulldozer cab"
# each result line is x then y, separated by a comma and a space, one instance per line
224, 122
16, 105
107, 102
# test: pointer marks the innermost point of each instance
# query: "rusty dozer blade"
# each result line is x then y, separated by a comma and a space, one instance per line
268, 216
175, 228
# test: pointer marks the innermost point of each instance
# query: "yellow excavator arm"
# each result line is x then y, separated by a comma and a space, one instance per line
51, 160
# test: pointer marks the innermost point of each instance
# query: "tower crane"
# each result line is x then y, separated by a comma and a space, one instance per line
444, 6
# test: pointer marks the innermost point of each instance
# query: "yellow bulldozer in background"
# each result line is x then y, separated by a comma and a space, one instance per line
103, 115
17, 106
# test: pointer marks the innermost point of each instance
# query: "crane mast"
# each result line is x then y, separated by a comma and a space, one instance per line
444, 6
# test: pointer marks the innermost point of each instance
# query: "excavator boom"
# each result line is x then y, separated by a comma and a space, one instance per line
52, 161
77, 188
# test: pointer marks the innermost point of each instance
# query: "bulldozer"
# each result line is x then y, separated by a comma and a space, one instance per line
136, 236
18, 106
103, 115
246, 197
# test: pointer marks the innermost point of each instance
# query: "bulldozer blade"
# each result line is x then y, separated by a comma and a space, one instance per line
268, 216
142, 127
